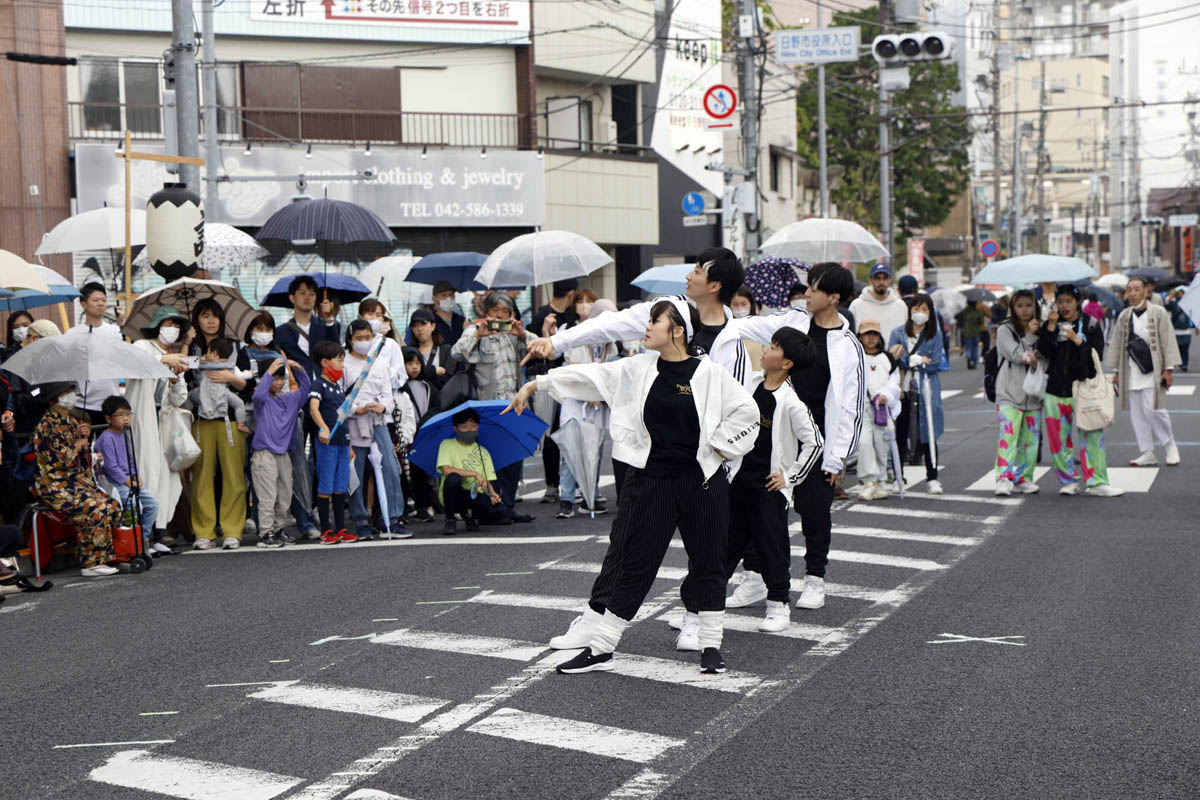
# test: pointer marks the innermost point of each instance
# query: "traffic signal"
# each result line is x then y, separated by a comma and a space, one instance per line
899, 49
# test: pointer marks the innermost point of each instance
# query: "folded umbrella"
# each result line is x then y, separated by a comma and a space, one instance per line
343, 288
667, 279
182, 295
81, 357
509, 438
580, 444
543, 257
1034, 268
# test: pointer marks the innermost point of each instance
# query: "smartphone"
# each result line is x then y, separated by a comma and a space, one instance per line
500, 325
190, 362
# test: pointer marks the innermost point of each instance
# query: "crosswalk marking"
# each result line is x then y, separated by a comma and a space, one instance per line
747, 624
1182, 390
880, 559
682, 673
349, 700
605, 482
894, 511
664, 573
445, 541
948, 393
1138, 480
962, 498
373, 794
987, 483
880, 533
190, 778
553, 603
978, 396
510, 649
569, 734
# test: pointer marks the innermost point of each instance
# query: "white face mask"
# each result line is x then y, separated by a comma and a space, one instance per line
919, 319
447, 304
68, 400
361, 348
799, 304
20, 333
262, 338
740, 313
168, 335
377, 326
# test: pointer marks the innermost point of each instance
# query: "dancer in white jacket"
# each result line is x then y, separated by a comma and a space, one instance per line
675, 420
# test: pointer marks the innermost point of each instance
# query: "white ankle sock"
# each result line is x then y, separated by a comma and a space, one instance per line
607, 633
712, 627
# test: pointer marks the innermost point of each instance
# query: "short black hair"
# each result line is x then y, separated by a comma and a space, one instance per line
466, 415
354, 327
302, 280
724, 267
797, 347
1138, 278
797, 290
221, 346
1068, 289
745, 291
410, 354
831, 277
565, 287
112, 404
326, 350
90, 288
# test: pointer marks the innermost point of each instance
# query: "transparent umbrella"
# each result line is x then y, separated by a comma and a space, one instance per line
580, 443
543, 257
99, 229
83, 358
817, 240
948, 303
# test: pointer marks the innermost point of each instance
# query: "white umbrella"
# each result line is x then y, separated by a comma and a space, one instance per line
17, 274
225, 247
948, 303
81, 358
183, 295
1112, 281
100, 229
53, 279
543, 257
817, 240
389, 269
580, 443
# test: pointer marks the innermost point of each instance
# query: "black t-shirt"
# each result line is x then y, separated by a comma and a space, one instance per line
671, 419
751, 479
705, 335
811, 384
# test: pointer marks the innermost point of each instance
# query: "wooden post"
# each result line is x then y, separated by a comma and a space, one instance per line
130, 157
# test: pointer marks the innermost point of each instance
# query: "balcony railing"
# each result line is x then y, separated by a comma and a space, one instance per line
108, 121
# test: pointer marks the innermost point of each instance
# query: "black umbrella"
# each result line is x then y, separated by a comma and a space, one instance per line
1104, 297
1158, 276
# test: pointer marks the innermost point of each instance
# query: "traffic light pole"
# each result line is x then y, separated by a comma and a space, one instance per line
885, 170
750, 126
821, 151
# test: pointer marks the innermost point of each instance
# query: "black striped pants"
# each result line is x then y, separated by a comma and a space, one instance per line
648, 512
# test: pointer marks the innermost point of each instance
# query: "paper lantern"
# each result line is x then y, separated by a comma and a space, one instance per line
174, 231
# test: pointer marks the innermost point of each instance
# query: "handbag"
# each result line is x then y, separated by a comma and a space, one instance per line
459, 389
1035, 381
1093, 400
179, 446
1139, 350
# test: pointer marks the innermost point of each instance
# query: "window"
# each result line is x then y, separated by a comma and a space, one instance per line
121, 94
775, 172
1078, 80
1104, 85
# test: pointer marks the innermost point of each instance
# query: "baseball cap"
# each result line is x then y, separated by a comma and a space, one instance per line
907, 284
881, 269
420, 315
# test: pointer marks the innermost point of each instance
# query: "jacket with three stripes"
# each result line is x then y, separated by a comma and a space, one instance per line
796, 441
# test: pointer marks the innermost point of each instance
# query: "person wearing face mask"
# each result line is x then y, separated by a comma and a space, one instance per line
63, 459
18, 329
376, 315
796, 299
162, 339
917, 345
367, 427
744, 305
437, 365
260, 342
468, 478
446, 316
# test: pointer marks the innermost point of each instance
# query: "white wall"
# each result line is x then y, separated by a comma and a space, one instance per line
600, 50
608, 200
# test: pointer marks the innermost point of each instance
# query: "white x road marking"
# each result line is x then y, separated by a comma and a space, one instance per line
954, 638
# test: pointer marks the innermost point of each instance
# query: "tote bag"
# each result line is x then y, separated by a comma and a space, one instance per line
1093, 398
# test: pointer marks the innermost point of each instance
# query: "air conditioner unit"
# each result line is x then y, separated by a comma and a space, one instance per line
610, 137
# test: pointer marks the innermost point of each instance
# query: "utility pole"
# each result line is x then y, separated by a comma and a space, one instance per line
996, 120
1014, 233
1041, 165
187, 106
212, 154
748, 30
821, 151
1116, 208
885, 150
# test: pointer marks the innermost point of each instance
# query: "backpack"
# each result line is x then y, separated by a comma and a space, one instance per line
991, 369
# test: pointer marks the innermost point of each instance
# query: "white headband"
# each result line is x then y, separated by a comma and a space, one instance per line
685, 311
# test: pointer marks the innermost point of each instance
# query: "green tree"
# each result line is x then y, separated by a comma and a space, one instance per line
929, 137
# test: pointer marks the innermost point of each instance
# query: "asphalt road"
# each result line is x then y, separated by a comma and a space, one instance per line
1040, 646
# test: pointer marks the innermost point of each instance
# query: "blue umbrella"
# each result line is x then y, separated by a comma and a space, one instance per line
507, 438
343, 288
325, 220
669, 279
28, 298
1035, 268
458, 267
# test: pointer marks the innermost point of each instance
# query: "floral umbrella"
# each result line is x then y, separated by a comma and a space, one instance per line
771, 278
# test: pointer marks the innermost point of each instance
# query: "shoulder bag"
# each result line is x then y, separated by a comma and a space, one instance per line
1139, 350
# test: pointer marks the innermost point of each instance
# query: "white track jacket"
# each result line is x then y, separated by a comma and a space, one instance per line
728, 414
796, 441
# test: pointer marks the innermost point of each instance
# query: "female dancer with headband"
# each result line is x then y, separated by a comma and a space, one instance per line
675, 420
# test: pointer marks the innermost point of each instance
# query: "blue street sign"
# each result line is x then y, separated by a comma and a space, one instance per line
693, 204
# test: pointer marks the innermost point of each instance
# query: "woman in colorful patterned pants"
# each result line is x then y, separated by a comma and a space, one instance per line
63, 484
1018, 411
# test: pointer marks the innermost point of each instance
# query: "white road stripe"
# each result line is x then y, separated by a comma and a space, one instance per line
1181, 390
962, 498
894, 511
880, 533
682, 673
349, 700
510, 649
447, 540
554, 603
978, 396
373, 794
664, 573
748, 624
948, 393
879, 559
605, 482
569, 734
190, 778
987, 483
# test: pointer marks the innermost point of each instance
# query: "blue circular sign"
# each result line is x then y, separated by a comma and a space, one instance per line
693, 204
989, 249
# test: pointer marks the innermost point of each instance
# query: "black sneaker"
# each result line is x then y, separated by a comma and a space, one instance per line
270, 539
424, 516
451, 527
586, 662
711, 662
600, 509
565, 511
472, 524
522, 518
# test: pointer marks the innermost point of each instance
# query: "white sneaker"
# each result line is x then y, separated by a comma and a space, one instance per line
1105, 490
1027, 487
1004, 487
98, 571
579, 634
159, 547
779, 616
1146, 459
231, 543
750, 591
204, 544
677, 623
813, 595
882, 490
688, 639
249, 527
935, 487
1069, 488
1172, 454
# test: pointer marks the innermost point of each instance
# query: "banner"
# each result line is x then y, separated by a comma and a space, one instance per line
916, 259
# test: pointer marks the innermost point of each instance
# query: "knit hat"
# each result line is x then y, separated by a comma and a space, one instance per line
44, 328
161, 314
